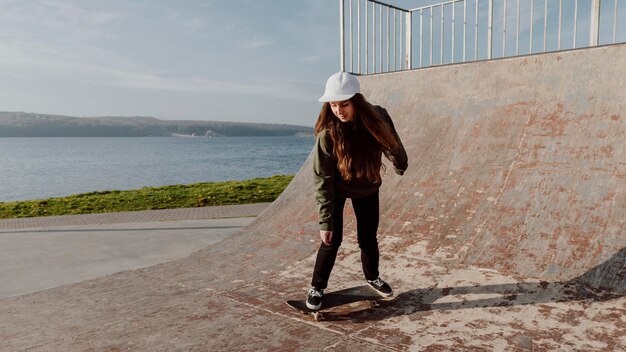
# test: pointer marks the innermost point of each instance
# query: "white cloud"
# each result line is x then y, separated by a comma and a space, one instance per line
51, 22
157, 48
67, 66
198, 84
71, 15
16, 51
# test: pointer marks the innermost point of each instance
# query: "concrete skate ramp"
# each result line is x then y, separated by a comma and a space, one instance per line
512, 211
515, 165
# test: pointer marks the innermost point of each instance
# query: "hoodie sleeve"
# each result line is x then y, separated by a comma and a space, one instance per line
398, 157
324, 171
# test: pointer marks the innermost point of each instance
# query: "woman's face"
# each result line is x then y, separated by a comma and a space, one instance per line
344, 110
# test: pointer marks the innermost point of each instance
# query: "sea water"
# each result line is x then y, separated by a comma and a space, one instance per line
36, 168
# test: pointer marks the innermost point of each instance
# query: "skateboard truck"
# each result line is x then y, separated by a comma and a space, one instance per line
351, 295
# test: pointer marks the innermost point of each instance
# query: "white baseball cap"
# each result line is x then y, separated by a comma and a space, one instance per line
339, 87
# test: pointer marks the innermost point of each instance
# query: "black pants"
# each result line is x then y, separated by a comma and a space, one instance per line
366, 212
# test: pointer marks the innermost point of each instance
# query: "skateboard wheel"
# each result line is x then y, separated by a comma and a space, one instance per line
372, 303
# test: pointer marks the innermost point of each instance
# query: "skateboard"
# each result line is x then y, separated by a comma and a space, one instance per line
334, 299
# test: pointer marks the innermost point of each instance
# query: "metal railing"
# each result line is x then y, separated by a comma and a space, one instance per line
386, 38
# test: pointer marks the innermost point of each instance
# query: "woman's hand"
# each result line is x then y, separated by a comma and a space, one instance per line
326, 236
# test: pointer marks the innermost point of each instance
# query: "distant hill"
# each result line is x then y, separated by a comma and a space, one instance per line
21, 124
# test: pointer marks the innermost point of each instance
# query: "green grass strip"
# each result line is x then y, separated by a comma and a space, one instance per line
257, 190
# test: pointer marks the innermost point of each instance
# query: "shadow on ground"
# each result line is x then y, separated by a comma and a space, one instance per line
602, 283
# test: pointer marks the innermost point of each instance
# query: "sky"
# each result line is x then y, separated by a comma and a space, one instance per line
220, 60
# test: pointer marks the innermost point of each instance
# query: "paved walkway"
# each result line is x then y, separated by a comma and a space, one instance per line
217, 212
46, 252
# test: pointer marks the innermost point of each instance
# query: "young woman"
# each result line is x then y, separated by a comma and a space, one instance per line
351, 136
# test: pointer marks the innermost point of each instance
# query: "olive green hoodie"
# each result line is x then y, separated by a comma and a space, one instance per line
327, 179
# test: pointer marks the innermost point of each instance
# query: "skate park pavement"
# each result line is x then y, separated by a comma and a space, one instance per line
46, 252
506, 233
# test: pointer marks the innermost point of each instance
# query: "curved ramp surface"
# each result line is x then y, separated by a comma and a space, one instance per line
518, 165
506, 233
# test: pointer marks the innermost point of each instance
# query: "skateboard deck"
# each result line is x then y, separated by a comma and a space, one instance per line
339, 298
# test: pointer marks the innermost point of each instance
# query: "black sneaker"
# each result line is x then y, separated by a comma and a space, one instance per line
314, 299
381, 287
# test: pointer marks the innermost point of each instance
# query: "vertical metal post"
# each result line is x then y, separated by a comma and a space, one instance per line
380, 52
351, 41
402, 41
342, 44
421, 38
517, 30
395, 40
453, 29
464, 27
358, 34
575, 22
614, 21
441, 36
504, 30
476, 32
532, 15
430, 51
373, 37
560, 24
490, 29
545, 26
408, 45
388, 41
595, 23
367, 38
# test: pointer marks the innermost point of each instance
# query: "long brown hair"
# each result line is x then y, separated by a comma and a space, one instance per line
358, 158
